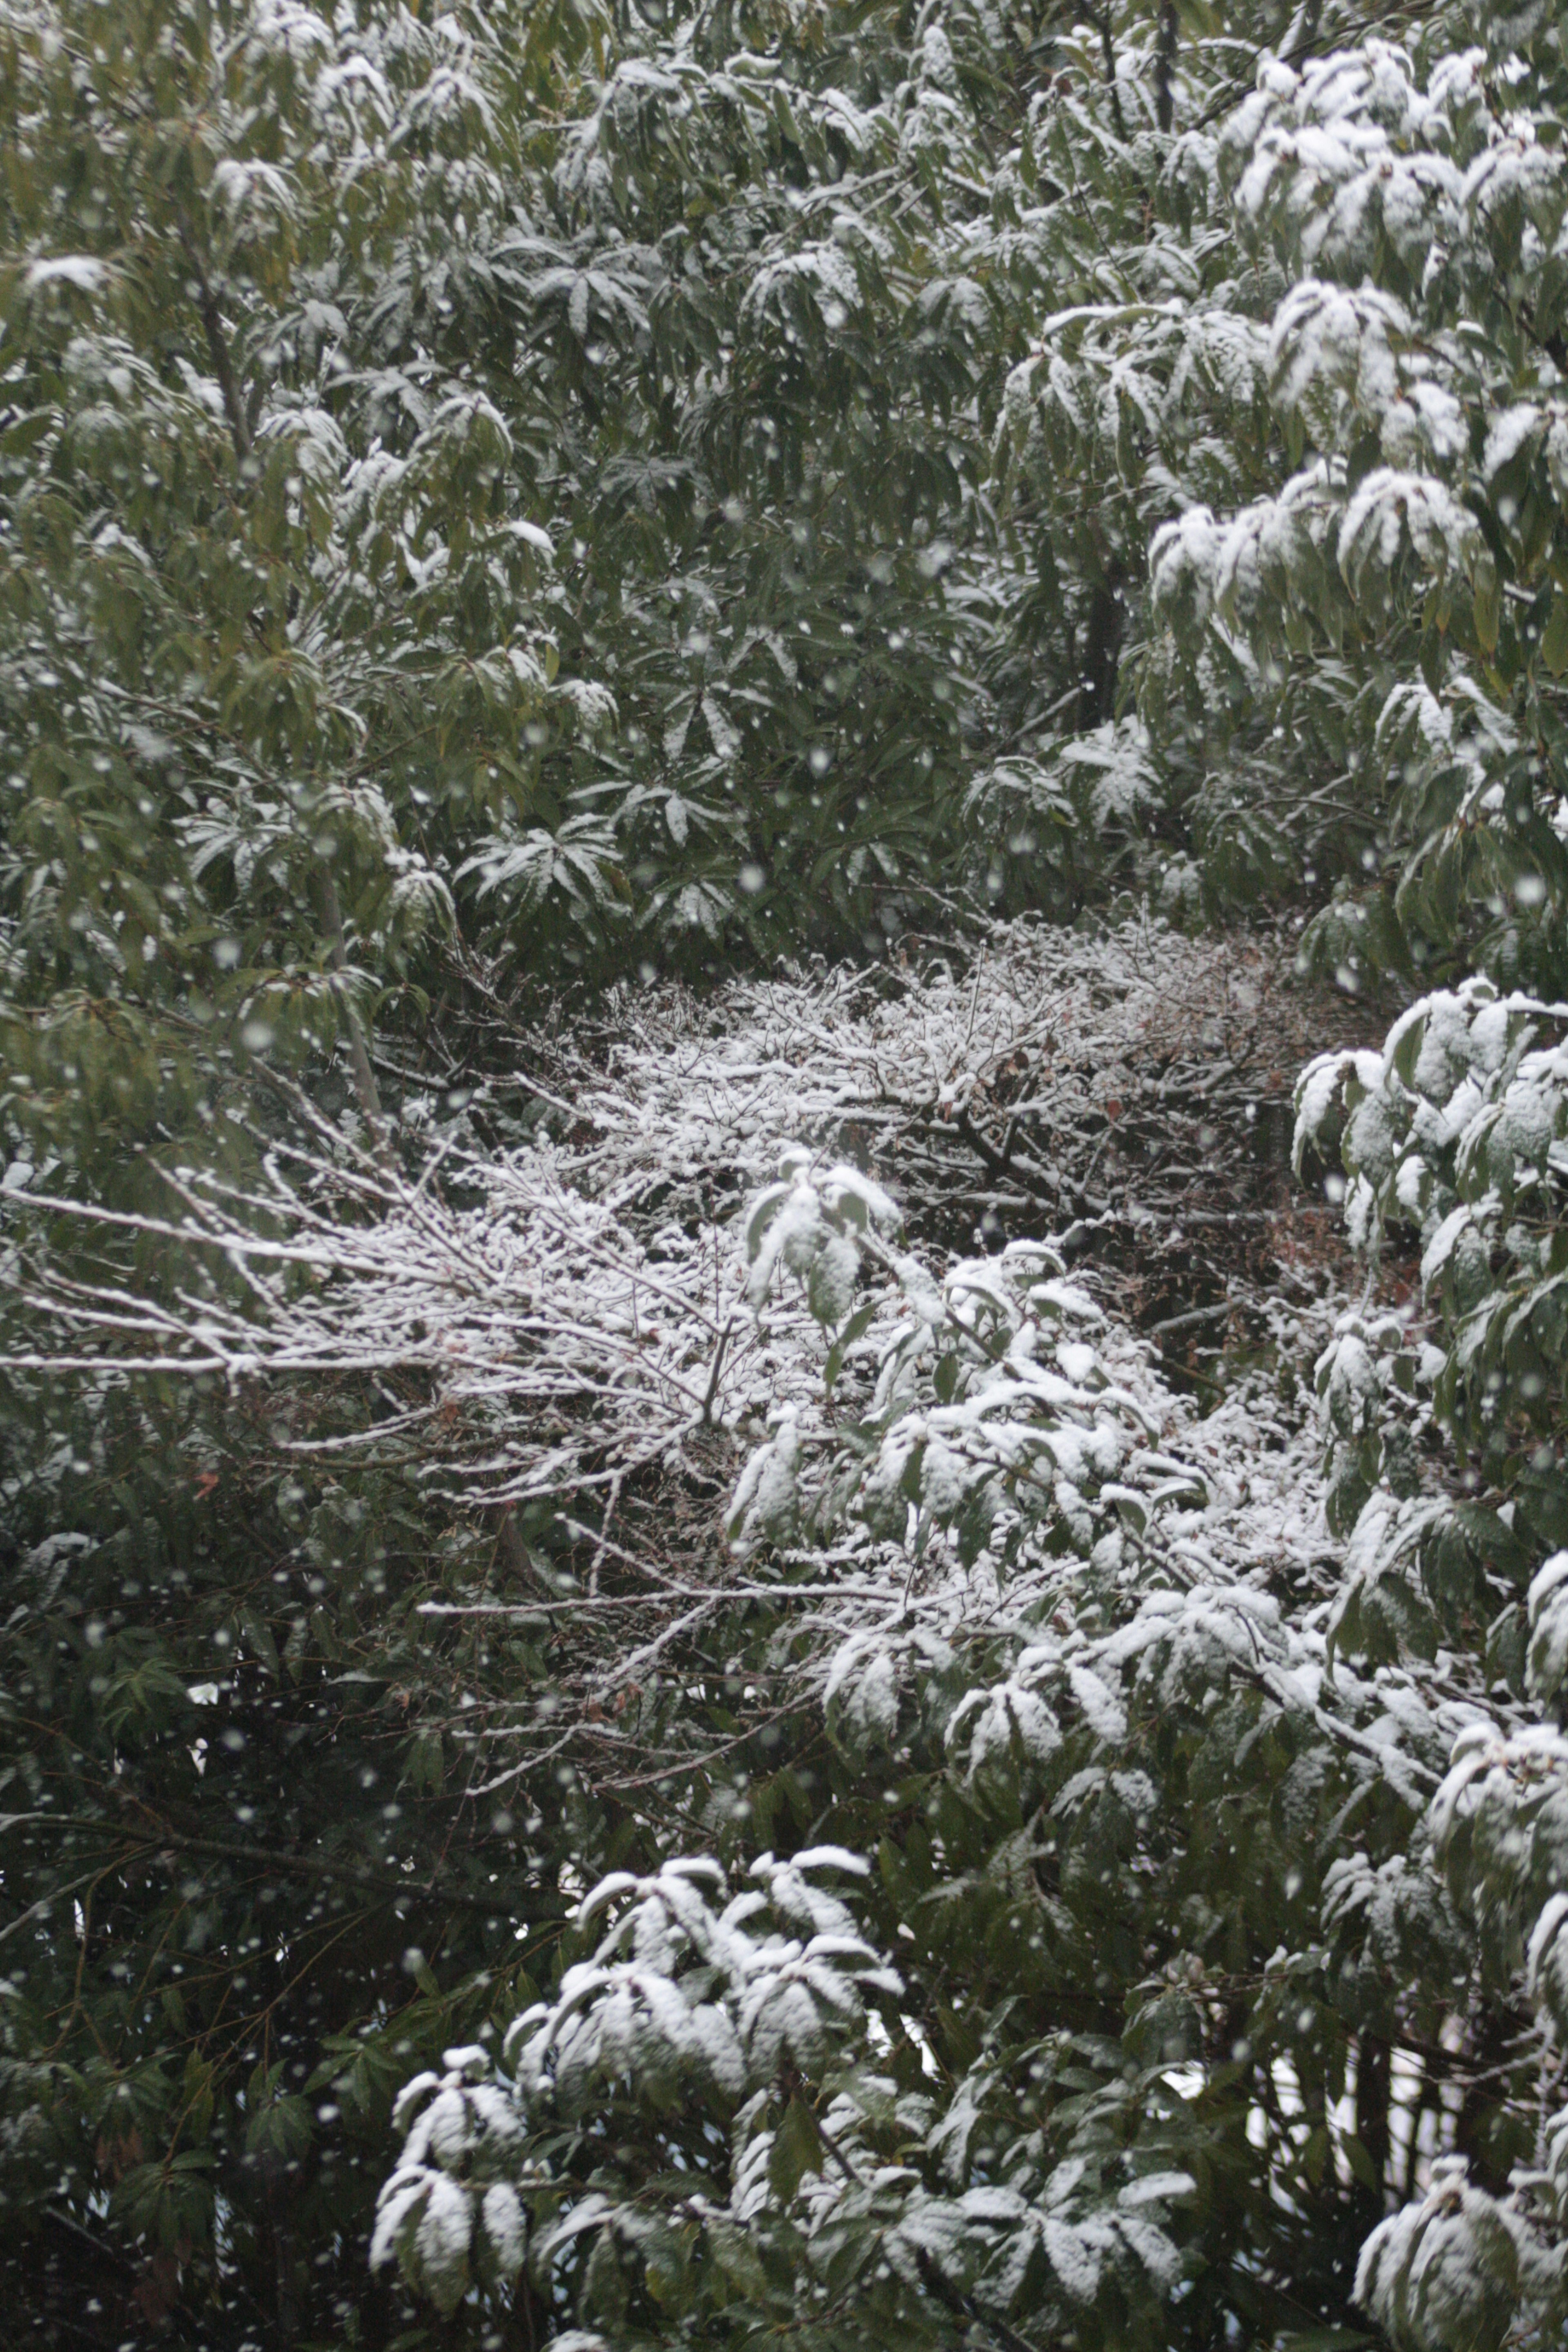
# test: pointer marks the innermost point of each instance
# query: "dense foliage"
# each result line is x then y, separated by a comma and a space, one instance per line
560, 1616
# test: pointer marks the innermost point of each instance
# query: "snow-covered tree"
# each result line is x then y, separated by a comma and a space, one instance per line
899, 1699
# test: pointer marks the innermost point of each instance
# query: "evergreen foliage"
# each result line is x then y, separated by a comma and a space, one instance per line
810, 1635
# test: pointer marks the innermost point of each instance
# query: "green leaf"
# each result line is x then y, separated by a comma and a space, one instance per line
1488, 605
197, 2096
170, 2200
796, 2150
1554, 637
1324, 2339
859, 1323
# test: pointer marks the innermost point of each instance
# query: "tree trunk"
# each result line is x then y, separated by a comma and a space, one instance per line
1165, 66
1102, 654
1372, 2085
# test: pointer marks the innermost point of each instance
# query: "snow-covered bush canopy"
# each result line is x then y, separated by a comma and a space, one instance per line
1091, 1863
1141, 1748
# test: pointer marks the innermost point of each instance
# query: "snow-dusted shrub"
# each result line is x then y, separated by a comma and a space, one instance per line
1043, 1611
990, 1409
1140, 1754
1084, 1633
1456, 1135
739, 2029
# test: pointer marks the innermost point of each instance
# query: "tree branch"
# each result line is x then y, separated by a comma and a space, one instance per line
233, 407
163, 1834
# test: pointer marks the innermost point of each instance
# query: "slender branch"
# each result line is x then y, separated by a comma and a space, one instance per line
712, 1389
233, 406
358, 1057
1101, 23
163, 1835
966, 2305
46, 1902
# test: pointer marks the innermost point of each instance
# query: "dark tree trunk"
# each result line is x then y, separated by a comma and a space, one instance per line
1372, 2097
1165, 66
1102, 654
1492, 2033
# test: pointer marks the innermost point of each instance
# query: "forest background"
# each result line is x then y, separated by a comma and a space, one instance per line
738, 1493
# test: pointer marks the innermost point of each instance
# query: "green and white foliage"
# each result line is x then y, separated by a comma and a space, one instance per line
991, 1403
504, 476
1008, 1618
572, 483
1381, 594
277, 603
1303, 353
748, 2045
523, 483
1457, 2267
466, 2133
796, 578
1064, 1659
1455, 1132
1091, 1713
530, 489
